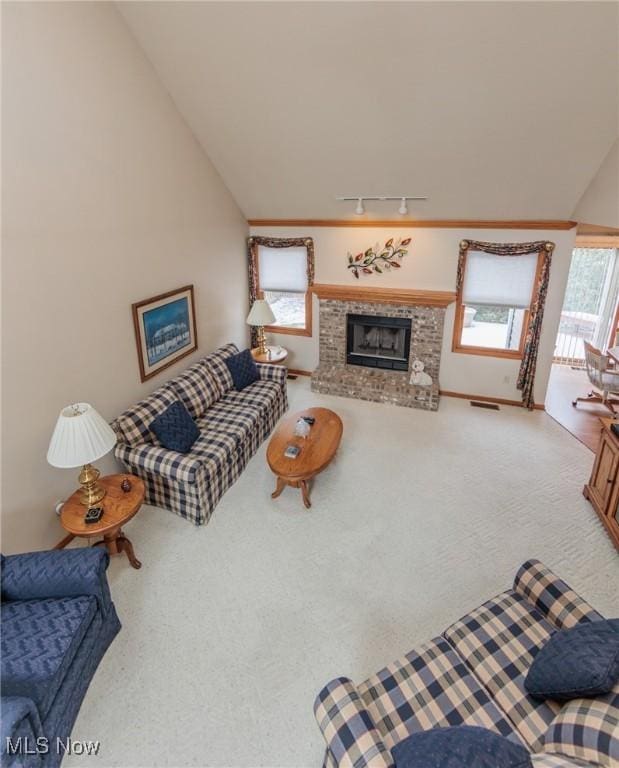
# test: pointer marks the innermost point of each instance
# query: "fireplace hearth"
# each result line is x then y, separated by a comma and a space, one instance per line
378, 342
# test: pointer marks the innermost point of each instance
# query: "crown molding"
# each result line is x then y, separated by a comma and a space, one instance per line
420, 223
596, 236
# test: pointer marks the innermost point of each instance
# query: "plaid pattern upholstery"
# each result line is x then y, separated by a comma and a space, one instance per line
270, 372
213, 449
587, 729
352, 738
223, 460
553, 761
215, 364
498, 641
429, 688
196, 389
232, 420
194, 501
261, 396
278, 375
189, 500
474, 675
152, 459
552, 596
227, 350
132, 426
231, 430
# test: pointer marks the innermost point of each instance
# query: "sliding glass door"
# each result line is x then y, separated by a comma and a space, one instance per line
590, 304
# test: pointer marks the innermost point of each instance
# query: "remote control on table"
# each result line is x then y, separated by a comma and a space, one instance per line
93, 515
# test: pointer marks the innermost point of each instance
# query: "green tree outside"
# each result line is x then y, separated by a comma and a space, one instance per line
586, 280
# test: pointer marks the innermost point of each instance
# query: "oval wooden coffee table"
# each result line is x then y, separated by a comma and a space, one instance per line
118, 508
317, 450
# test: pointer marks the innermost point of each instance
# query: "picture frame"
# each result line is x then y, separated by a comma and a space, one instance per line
165, 330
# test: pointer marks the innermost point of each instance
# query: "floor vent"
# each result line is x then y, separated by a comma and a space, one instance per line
491, 406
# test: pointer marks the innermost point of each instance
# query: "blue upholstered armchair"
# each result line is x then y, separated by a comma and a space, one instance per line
57, 622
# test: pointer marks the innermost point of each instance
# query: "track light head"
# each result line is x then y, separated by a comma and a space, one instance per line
360, 210
403, 209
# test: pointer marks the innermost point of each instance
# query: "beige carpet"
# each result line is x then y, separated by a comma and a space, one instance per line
230, 630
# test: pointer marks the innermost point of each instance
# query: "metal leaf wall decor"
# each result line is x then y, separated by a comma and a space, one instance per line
379, 259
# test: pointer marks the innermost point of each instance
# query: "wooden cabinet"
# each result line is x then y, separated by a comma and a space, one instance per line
602, 490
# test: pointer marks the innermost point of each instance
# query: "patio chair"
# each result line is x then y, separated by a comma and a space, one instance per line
603, 376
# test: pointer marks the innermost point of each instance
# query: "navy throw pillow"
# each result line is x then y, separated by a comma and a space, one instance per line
462, 746
576, 663
243, 369
175, 429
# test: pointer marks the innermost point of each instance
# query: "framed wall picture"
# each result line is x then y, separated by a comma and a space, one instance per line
165, 330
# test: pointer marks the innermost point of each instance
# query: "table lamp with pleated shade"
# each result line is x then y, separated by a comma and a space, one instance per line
81, 436
260, 315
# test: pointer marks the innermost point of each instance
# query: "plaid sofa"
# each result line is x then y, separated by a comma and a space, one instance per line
473, 674
232, 425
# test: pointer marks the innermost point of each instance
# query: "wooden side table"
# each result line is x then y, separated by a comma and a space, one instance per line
277, 355
118, 508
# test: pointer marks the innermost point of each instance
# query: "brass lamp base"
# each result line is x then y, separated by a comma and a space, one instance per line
262, 341
92, 492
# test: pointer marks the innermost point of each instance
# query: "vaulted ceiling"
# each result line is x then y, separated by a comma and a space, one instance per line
491, 109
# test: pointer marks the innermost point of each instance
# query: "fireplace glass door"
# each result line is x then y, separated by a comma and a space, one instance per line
378, 342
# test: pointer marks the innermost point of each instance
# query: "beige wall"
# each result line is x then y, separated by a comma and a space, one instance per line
431, 264
107, 199
600, 202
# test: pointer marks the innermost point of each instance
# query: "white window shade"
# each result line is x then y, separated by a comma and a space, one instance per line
505, 281
282, 269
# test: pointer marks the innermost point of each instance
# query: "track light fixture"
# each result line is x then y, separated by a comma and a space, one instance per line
360, 208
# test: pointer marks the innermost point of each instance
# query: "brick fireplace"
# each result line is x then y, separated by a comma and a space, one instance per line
369, 339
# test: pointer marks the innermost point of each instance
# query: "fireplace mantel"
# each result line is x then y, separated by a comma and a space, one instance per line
401, 296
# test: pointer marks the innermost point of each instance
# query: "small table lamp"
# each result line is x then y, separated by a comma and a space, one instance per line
80, 437
260, 315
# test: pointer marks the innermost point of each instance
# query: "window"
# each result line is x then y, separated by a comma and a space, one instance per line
492, 309
282, 278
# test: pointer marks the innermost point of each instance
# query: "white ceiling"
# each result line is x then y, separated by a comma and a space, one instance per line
492, 109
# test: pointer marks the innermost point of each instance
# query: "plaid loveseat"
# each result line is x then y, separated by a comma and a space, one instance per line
473, 674
232, 425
